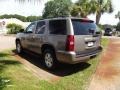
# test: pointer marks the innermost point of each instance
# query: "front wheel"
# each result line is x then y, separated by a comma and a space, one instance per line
49, 59
18, 47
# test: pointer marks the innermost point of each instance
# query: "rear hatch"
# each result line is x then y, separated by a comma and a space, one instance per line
86, 35
108, 31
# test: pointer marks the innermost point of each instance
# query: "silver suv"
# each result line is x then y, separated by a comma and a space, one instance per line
65, 39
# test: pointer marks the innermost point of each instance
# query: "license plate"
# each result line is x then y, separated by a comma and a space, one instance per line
90, 44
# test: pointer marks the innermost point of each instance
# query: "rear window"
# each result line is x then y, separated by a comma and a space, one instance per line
40, 29
57, 27
108, 30
82, 27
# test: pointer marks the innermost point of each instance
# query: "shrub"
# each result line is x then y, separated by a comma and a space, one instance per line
13, 28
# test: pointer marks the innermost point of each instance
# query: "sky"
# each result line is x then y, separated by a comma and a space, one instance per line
36, 8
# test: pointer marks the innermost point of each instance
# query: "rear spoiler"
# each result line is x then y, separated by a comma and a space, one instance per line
83, 20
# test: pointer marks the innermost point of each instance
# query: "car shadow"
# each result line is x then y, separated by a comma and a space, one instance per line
62, 70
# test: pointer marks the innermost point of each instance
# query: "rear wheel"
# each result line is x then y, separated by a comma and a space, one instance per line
50, 60
18, 47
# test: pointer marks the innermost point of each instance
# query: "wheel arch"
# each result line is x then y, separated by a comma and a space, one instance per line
17, 39
47, 46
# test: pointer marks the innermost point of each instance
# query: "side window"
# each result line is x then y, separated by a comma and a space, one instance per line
30, 28
40, 29
57, 27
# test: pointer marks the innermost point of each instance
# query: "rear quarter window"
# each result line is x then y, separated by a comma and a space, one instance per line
57, 27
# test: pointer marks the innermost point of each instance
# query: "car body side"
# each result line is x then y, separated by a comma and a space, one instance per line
57, 43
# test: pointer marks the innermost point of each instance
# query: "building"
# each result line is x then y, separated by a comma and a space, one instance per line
4, 22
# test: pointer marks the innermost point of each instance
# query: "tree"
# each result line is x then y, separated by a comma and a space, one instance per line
33, 18
85, 7
81, 8
57, 8
118, 27
99, 7
118, 15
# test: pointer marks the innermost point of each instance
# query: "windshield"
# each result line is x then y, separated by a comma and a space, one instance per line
82, 27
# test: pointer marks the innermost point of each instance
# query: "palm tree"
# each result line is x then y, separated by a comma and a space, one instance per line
85, 7
81, 8
99, 7
118, 15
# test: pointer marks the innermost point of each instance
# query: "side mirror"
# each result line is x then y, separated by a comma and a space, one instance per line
21, 30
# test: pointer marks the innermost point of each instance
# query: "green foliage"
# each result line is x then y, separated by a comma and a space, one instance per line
100, 7
57, 8
75, 11
3, 82
82, 8
101, 27
75, 77
22, 18
118, 27
118, 15
14, 28
32, 18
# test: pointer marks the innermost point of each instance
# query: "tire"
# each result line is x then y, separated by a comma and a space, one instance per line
50, 60
18, 47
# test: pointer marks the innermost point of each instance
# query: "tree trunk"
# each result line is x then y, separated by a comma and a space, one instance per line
98, 16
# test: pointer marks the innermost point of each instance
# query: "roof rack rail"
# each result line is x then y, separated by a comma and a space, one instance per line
63, 16
59, 16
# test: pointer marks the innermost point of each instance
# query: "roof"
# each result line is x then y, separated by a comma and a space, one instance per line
56, 18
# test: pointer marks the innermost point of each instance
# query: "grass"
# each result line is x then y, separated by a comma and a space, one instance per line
14, 76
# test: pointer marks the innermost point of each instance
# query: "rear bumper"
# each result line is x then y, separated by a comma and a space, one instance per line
72, 58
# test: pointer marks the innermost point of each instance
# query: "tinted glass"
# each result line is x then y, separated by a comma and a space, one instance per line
42, 30
83, 27
57, 27
30, 28
108, 30
40, 27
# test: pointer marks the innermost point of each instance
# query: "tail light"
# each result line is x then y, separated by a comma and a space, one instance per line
70, 43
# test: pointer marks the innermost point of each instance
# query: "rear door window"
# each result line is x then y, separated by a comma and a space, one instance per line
83, 27
57, 27
40, 29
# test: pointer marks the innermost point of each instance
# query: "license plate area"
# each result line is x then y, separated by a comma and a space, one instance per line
90, 44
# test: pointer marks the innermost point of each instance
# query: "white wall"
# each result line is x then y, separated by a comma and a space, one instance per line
3, 29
